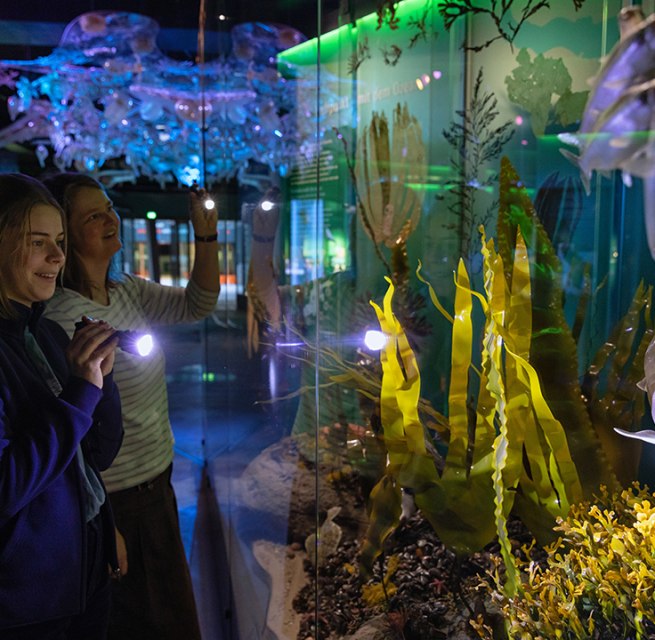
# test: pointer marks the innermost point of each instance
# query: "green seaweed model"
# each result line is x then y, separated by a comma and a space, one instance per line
476, 140
597, 581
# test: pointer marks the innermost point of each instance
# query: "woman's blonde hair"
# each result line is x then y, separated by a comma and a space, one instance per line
19, 194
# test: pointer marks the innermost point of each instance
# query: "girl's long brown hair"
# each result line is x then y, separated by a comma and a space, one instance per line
19, 194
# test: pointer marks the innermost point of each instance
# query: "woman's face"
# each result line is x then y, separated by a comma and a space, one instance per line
93, 225
34, 278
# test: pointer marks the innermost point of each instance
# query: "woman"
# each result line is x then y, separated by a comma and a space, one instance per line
154, 598
60, 423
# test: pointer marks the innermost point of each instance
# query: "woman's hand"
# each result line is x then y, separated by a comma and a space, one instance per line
90, 354
204, 220
205, 272
121, 551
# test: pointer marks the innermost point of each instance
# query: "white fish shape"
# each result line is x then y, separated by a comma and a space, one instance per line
620, 134
647, 385
616, 127
630, 62
646, 435
648, 382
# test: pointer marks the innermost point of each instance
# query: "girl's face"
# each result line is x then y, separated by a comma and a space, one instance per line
34, 278
93, 225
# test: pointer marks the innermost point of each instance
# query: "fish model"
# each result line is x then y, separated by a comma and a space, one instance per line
645, 435
615, 130
620, 138
630, 62
647, 384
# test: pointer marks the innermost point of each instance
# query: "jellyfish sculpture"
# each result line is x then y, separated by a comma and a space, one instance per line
107, 92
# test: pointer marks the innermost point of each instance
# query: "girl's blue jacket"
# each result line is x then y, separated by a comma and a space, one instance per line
42, 522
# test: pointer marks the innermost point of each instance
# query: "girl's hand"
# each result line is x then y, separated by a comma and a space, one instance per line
204, 220
90, 354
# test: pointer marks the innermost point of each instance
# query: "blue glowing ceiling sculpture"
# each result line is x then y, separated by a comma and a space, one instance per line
107, 92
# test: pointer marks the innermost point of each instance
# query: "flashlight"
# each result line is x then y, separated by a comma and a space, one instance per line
140, 344
134, 342
208, 202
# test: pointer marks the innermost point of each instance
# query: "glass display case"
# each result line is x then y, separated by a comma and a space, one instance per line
431, 340
451, 155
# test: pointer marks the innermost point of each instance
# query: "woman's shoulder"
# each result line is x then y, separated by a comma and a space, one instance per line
64, 297
132, 282
143, 289
65, 308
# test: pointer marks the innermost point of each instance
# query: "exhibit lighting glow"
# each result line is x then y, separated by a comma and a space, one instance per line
151, 215
375, 340
209, 204
267, 205
332, 41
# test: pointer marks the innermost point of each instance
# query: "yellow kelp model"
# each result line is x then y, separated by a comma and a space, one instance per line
531, 447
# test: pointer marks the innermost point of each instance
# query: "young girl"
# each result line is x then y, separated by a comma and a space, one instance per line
60, 424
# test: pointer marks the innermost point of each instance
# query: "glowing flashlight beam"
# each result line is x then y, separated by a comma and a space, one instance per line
375, 340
